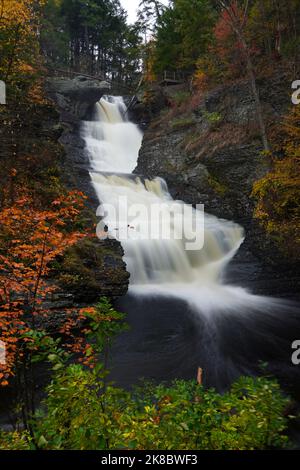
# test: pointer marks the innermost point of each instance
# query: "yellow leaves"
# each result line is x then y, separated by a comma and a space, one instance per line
36, 93
26, 68
18, 11
19, 20
200, 80
278, 193
87, 310
15, 11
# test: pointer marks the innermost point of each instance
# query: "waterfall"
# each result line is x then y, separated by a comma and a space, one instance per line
164, 267
113, 145
113, 142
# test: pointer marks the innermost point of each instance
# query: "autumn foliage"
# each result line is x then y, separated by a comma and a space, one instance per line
30, 240
19, 20
278, 193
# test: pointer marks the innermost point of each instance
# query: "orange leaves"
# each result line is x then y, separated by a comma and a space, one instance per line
223, 30
88, 310
30, 240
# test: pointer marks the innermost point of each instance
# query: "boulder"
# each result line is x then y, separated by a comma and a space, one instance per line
76, 96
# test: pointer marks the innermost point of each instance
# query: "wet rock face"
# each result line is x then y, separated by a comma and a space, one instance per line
74, 99
221, 180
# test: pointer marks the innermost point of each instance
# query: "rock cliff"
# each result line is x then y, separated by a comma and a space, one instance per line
213, 156
92, 268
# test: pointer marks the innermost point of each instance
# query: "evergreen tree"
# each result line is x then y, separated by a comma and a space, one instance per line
184, 31
91, 37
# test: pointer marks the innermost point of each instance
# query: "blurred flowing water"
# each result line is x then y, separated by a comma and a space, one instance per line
182, 313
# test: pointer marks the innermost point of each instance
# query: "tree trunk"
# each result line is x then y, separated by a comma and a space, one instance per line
255, 92
268, 41
237, 27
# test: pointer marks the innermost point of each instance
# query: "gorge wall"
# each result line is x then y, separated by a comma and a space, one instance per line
213, 155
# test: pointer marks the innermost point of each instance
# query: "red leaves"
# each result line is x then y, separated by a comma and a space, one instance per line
230, 27
223, 29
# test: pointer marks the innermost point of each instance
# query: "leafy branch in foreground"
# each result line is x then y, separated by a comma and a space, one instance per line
83, 413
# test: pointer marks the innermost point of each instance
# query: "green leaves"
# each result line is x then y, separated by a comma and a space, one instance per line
184, 32
105, 323
43, 347
92, 37
83, 413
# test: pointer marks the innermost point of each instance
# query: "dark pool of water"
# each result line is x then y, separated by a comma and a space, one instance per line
167, 340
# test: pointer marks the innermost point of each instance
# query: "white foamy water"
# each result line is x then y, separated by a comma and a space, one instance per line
113, 143
161, 267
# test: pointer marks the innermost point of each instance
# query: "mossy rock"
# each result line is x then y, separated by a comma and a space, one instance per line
92, 269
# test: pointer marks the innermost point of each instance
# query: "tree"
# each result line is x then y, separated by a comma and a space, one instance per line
274, 24
235, 16
184, 32
149, 14
19, 23
91, 37
54, 37
195, 22
30, 240
278, 193
168, 42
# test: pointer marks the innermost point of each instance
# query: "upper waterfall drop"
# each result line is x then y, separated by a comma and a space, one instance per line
113, 144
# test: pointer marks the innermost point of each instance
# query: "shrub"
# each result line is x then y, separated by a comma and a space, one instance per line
83, 413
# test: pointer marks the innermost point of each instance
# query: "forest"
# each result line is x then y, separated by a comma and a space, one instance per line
55, 378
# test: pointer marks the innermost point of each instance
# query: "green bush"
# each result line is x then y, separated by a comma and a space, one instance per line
180, 97
83, 413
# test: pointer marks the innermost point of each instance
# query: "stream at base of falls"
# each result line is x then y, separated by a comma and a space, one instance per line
181, 312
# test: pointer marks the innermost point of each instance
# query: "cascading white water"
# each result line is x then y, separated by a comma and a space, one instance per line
158, 266
113, 142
